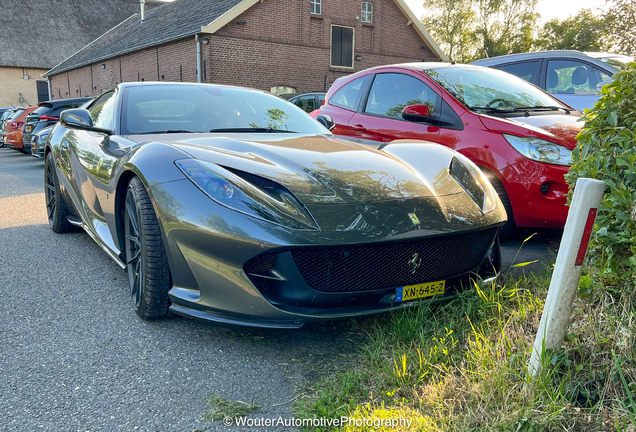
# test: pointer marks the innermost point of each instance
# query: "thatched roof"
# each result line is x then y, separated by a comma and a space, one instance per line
165, 23
42, 33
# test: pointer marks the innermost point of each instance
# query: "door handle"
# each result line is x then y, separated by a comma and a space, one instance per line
358, 128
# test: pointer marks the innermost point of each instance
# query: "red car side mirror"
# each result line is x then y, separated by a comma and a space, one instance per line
416, 113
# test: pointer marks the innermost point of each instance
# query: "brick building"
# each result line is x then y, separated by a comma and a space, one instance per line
276, 45
36, 35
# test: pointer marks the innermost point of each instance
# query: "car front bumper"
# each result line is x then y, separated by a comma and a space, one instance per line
230, 268
537, 193
37, 147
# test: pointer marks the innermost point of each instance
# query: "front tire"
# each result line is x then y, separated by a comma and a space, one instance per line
146, 259
56, 209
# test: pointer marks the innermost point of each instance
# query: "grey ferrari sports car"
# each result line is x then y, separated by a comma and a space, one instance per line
231, 205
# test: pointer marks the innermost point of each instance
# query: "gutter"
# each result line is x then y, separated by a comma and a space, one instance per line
198, 42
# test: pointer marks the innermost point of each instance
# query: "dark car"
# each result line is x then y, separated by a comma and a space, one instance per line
47, 114
230, 204
307, 101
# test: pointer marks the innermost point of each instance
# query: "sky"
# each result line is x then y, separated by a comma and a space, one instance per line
548, 9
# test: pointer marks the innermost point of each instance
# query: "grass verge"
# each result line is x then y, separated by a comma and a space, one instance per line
461, 366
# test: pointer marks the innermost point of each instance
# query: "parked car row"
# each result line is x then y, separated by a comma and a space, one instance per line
398, 192
20, 126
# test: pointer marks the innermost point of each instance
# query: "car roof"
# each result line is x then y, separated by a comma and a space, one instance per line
62, 101
530, 56
593, 57
415, 66
293, 95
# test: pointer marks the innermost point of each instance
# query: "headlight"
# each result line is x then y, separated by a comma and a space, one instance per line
260, 198
474, 182
540, 150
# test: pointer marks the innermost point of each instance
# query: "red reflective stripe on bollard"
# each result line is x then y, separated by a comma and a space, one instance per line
585, 240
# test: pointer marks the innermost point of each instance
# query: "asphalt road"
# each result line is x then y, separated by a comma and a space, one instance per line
75, 357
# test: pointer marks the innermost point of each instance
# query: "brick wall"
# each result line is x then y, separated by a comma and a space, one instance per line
17, 91
279, 44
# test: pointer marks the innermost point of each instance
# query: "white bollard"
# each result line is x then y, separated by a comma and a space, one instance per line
567, 270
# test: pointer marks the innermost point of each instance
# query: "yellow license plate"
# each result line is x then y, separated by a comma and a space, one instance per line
29, 128
412, 292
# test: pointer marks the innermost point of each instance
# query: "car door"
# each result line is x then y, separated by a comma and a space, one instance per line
85, 154
574, 82
380, 117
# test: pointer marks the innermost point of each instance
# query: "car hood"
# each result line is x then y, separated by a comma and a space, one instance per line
559, 128
325, 170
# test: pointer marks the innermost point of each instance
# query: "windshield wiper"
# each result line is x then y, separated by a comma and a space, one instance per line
491, 109
253, 130
165, 131
542, 108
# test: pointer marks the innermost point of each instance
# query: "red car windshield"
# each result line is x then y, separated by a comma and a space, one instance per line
479, 87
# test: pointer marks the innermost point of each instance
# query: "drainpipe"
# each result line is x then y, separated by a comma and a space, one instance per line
198, 41
142, 3
48, 84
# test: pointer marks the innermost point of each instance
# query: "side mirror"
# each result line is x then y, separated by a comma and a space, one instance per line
80, 119
602, 84
416, 113
326, 121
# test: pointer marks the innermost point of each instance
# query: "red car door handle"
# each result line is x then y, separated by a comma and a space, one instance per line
358, 128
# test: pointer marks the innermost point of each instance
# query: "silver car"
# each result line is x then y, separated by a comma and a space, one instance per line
38, 141
574, 77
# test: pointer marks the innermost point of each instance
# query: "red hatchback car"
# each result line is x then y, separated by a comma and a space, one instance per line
519, 135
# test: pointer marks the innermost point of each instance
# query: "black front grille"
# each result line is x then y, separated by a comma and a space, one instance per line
340, 269
387, 265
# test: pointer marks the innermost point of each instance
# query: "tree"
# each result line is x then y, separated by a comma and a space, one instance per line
450, 22
583, 31
620, 19
471, 29
505, 26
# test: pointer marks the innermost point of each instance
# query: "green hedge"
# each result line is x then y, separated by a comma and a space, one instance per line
606, 151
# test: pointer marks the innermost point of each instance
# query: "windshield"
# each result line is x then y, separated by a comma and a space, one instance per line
16, 114
42, 109
485, 88
205, 108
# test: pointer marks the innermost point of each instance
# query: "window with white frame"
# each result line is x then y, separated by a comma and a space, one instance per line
281, 89
367, 12
316, 7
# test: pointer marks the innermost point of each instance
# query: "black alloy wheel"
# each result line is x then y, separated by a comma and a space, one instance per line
56, 209
146, 259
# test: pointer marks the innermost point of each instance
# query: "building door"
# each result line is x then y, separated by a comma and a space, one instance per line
43, 91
